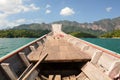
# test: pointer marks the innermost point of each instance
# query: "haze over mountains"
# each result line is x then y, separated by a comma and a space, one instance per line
97, 27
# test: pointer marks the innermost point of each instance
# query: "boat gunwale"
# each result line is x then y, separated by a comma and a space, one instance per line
21, 48
107, 51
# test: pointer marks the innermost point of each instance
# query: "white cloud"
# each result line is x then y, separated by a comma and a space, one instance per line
48, 5
6, 23
9, 7
48, 11
20, 21
108, 9
3, 16
33, 7
15, 6
67, 11
11, 24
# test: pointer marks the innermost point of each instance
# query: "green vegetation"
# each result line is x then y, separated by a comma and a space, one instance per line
22, 33
113, 34
77, 29
83, 35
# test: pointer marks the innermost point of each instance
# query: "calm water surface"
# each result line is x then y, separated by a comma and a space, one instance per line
7, 45
109, 43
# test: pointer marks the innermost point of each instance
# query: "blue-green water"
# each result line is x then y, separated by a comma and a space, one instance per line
111, 44
7, 45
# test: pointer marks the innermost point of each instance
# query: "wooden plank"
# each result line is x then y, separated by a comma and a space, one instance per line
96, 57
54, 77
81, 76
32, 48
86, 79
93, 73
58, 77
59, 50
25, 72
51, 77
24, 58
9, 71
34, 67
72, 77
66, 78
33, 75
39, 43
44, 39
114, 70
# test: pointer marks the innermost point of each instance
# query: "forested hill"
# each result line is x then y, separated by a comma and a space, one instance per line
97, 27
82, 35
113, 34
22, 33
35, 29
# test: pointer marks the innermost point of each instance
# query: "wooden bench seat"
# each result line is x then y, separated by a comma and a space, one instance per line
93, 73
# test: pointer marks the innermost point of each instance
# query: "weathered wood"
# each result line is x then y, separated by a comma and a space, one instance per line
32, 48
32, 76
114, 69
66, 78
44, 39
12, 75
81, 76
51, 77
54, 77
24, 58
39, 43
96, 57
60, 50
34, 67
93, 73
86, 79
106, 60
72, 77
58, 77
25, 72
35, 56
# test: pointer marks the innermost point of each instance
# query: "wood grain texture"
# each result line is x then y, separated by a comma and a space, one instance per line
59, 50
93, 73
34, 67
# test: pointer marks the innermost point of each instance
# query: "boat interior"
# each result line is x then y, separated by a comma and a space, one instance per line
59, 56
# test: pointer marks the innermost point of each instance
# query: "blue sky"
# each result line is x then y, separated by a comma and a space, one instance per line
16, 12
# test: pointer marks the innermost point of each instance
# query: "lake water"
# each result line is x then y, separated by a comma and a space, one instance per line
109, 43
7, 45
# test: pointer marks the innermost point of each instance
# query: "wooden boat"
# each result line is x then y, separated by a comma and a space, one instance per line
59, 56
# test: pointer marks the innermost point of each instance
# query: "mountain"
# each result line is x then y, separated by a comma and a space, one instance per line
96, 28
108, 24
34, 26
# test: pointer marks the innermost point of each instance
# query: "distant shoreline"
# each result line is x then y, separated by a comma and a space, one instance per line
110, 38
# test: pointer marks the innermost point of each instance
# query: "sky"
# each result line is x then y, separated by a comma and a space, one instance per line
17, 12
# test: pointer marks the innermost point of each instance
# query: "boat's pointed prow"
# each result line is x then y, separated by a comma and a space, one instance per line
56, 28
